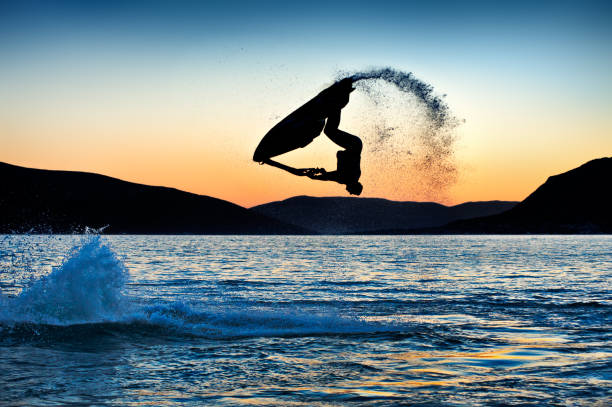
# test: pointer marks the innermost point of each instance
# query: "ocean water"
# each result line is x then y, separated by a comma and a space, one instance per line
321, 320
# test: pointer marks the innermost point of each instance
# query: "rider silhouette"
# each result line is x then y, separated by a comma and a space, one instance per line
327, 105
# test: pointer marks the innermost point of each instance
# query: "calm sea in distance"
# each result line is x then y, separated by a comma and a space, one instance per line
306, 320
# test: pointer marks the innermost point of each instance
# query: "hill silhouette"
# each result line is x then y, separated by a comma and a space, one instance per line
339, 215
67, 201
576, 201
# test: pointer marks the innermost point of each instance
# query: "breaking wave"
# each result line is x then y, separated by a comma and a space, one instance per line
87, 293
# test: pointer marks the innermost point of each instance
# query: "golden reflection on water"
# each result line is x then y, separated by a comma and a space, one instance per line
413, 383
294, 360
262, 401
442, 357
161, 398
427, 369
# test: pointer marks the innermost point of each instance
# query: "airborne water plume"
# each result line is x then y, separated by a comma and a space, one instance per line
437, 110
412, 133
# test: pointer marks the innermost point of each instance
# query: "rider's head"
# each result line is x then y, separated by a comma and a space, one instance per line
354, 188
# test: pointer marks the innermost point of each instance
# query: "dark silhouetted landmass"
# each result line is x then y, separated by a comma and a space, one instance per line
577, 201
65, 201
345, 215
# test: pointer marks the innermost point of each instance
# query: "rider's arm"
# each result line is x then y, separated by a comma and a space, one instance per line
294, 171
323, 175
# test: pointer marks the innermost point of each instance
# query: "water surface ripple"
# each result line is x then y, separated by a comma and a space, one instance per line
321, 320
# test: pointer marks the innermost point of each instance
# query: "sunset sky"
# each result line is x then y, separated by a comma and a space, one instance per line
179, 93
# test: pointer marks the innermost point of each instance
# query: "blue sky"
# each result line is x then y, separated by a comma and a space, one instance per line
531, 80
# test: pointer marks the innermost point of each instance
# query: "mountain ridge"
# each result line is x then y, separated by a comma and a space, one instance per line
60, 201
340, 215
575, 201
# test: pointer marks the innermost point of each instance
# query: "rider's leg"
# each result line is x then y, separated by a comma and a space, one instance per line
345, 140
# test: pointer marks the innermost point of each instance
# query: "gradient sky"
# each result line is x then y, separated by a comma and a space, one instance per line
179, 93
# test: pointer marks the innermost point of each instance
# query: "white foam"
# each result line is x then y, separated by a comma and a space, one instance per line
227, 321
86, 287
